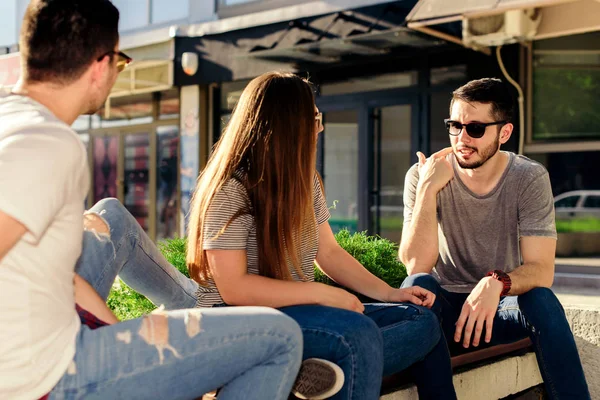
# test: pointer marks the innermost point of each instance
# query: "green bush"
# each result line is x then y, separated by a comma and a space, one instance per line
377, 255
126, 303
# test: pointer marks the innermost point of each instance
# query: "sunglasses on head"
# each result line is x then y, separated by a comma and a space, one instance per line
123, 59
474, 129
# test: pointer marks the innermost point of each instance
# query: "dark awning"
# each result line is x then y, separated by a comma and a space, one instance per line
374, 33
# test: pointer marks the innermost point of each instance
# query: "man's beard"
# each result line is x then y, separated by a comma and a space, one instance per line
485, 155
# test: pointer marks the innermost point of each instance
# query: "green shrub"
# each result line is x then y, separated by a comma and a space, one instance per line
377, 255
126, 303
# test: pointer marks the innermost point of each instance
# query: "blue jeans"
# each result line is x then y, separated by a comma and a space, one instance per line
537, 314
250, 352
386, 339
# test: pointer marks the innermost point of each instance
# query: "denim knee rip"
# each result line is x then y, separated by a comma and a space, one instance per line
94, 222
154, 330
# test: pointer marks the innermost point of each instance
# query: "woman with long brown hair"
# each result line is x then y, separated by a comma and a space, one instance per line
259, 222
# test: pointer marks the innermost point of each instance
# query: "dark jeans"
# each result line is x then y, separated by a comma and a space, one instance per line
537, 314
386, 339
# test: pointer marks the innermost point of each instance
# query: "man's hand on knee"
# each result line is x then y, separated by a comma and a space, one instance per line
479, 309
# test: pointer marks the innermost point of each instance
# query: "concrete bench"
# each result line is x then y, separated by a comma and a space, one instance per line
501, 371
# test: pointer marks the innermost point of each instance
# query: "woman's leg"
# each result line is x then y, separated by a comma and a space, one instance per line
348, 339
115, 244
412, 336
251, 352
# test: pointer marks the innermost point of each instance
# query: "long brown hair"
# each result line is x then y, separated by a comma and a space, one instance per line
271, 138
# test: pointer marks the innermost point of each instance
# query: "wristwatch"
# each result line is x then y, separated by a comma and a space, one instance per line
502, 277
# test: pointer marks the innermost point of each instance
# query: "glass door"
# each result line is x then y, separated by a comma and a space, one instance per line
367, 146
341, 167
167, 204
140, 167
105, 160
136, 177
393, 150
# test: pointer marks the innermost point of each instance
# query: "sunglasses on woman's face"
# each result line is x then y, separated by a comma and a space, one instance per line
123, 59
475, 129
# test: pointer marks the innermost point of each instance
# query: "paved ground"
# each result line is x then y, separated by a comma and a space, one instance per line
577, 281
577, 297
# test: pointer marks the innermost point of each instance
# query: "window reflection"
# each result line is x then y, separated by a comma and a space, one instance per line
166, 200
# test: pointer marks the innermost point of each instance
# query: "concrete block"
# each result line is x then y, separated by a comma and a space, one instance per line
491, 381
585, 324
516, 374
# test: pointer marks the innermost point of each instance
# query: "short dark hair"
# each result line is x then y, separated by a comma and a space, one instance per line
61, 38
487, 91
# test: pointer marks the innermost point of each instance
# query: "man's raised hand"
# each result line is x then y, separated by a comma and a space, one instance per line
435, 172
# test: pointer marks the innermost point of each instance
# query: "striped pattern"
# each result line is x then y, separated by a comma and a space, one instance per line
241, 234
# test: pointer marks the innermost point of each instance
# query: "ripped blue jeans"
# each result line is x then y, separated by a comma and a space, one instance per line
249, 352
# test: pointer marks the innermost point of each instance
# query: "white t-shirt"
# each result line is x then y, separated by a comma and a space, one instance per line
43, 182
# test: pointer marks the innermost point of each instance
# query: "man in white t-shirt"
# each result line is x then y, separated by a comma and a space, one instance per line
70, 59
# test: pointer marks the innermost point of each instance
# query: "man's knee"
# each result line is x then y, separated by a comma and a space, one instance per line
94, 223
540, 305
426, 281
108, 205
112, 212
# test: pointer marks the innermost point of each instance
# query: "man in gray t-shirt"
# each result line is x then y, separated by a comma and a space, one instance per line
479, 232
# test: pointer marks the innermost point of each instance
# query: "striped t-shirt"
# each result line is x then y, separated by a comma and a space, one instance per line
241, 234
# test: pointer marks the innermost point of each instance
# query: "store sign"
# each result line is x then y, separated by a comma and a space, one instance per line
10, 69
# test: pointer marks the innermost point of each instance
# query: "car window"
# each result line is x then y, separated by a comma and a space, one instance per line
592, 202
567, 202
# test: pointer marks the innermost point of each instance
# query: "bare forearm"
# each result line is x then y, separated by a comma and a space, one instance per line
256, 290
348, 272
87, 298
419, 247
529, 276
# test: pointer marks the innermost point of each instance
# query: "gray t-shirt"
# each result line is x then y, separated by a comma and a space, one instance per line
478, 234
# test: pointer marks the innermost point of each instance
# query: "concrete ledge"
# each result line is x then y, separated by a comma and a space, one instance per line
585, 324
491, 381
515, 374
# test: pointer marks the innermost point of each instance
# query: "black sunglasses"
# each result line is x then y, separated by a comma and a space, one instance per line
123, 61
474, 129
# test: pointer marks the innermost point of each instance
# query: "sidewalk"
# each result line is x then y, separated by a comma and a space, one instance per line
577, 276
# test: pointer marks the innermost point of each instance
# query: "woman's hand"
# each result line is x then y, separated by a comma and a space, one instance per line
414, 294
335, 297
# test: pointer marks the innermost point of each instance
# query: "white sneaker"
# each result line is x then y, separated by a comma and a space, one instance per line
318, 379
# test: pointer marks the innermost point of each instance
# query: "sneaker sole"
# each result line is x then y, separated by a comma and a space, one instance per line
318, 379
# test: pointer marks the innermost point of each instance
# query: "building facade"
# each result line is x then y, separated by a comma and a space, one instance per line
384, 89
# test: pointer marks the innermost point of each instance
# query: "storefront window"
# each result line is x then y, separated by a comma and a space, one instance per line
169, 104
566, 89
230, 95
341, 168
123, 111
167, 149
571, 170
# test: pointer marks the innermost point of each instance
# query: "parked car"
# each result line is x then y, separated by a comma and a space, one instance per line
578, 204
